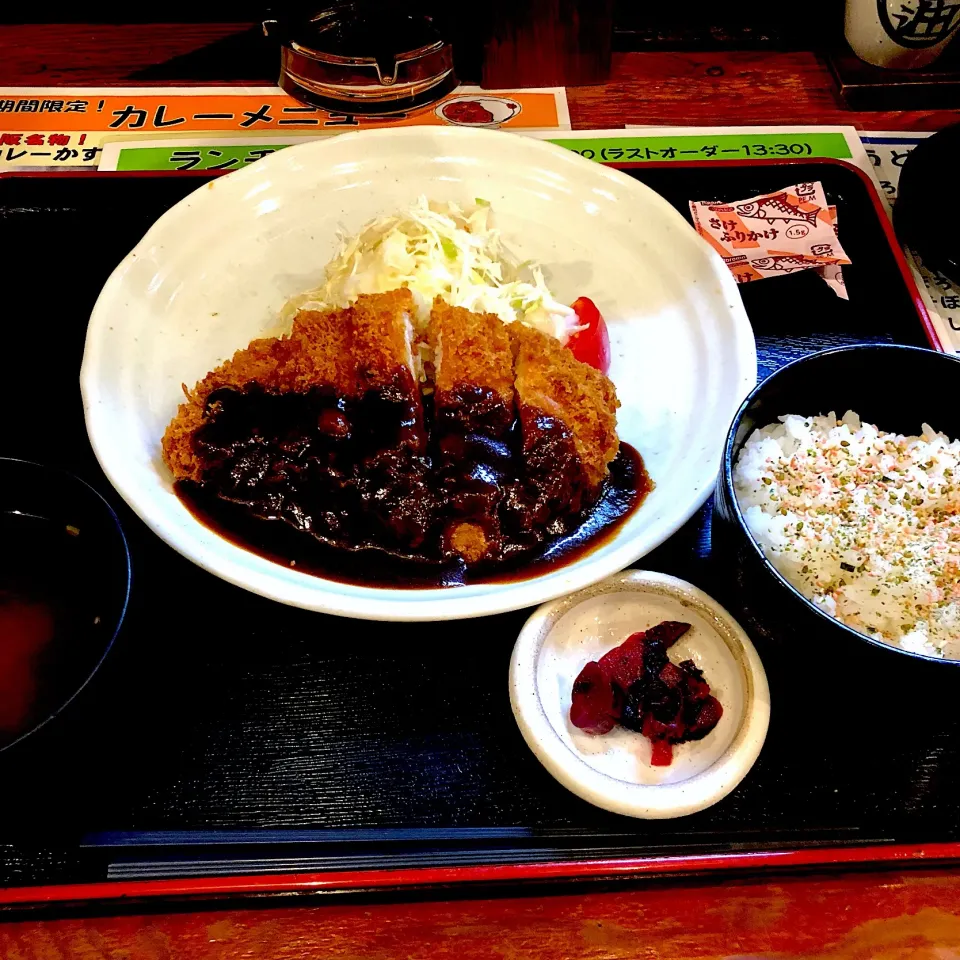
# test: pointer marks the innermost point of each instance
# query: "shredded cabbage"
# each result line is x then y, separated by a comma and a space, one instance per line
440, 249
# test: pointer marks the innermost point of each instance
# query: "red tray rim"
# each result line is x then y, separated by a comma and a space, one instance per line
877, 856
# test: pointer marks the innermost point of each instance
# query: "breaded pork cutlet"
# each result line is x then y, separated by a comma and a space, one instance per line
473, 404
272, 363
382, 346
343, 351
392, 475
318, 441
473, 368
549, 380
382, 340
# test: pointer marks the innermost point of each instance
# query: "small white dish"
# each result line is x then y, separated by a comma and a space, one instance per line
213, 272
614, 771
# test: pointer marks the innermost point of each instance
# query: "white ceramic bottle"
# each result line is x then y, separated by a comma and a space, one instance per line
900, 34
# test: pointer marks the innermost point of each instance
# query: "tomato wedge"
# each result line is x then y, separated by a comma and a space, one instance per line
591, 344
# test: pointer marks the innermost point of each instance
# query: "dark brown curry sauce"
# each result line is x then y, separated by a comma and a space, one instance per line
363, 492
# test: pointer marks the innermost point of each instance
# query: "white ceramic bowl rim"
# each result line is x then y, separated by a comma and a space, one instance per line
261, 576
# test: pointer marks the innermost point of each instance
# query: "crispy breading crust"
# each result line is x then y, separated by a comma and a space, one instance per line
470, 348
549, 378
383, 334
468, 540
325, 352
271, 362
366, 346
350, 350
177, 443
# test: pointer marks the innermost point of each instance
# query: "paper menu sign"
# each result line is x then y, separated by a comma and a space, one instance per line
758, 142
202, 153
887, 151
606, 146
56, 127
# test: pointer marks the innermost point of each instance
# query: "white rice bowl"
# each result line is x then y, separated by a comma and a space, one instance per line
865, 524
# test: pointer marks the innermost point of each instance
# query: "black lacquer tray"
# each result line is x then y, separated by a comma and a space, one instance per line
230, 743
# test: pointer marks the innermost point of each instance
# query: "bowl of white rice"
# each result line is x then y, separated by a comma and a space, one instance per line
839, 499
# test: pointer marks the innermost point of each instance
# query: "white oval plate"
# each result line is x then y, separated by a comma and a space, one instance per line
213, 272
614, 771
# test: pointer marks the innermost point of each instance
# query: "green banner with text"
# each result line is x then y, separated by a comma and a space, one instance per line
626, 149
208, 157
724, 146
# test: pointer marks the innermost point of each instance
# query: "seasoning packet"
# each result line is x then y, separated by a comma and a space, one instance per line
833, 272
775, 233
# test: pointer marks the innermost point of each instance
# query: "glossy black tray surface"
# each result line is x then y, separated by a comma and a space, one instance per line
228, 734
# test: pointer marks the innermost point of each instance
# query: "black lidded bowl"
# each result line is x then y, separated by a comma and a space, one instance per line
919, 219
897, 388
64, 587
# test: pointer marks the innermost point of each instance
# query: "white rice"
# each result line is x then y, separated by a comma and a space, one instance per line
865, 524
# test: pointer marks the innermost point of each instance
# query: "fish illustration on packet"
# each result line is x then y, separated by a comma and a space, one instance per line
775, 234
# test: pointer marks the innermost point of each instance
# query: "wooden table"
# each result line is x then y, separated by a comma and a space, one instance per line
656, 88
884, 916
889, 914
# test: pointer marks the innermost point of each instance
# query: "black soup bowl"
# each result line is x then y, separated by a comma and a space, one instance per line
64, 585
897, 388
